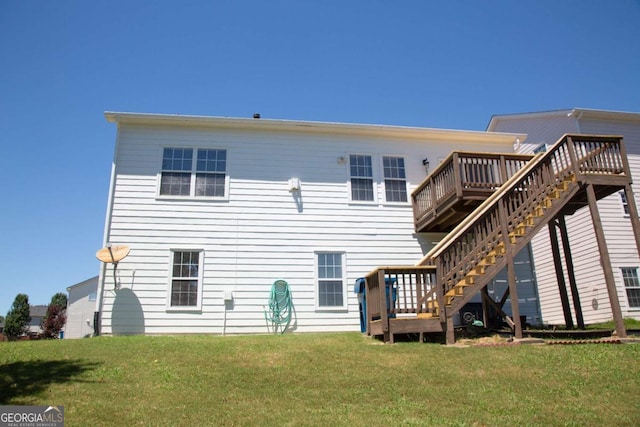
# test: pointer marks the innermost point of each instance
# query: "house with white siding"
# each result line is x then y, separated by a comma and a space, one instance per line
214, 210
588, 299
81, 305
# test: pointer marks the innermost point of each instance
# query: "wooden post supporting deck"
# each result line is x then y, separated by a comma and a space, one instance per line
511, 272
562, 286
605, 260
568, 259
633, 214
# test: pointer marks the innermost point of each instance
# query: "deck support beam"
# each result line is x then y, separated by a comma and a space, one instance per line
511, 271
451, 335
605, 260
633, 214
568, 259
562, 286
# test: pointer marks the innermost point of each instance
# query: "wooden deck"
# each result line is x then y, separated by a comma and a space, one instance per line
459, 185
575, 172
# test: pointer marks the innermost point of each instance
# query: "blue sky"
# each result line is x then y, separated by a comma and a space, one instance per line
449, 64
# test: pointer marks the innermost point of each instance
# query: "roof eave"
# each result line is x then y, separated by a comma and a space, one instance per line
312, 127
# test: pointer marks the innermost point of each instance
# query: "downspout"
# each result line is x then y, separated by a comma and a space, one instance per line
97, 315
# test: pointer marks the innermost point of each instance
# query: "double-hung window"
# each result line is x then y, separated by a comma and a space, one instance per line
189, 172
176, 172
331, 280
625, 204
185, 289
632, 285
361, 171
395, 179
372, 178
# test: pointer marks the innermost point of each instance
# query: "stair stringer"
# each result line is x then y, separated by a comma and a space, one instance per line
513, 248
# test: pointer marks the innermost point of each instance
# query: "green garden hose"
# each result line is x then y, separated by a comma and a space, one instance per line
280, 307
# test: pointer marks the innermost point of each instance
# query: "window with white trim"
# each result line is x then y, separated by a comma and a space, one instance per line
189, 172
395, 179
361, 177
331, 291
632, 285
625, 204
185, 288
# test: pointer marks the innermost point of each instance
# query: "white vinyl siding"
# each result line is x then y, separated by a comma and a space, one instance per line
80, 308
263, 232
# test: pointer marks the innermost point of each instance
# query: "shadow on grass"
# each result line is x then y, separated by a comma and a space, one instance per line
21, 379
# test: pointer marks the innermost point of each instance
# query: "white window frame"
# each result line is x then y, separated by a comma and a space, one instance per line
193, 172
384, 180
378, 180
172, 254
374, 180
624, 203
317, 279
626, 287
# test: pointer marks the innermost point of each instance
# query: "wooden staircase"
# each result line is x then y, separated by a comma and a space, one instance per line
486, 241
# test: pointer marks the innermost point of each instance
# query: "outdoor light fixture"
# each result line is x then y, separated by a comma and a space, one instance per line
425, 163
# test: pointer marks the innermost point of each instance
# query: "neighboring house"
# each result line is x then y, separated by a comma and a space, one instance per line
214, 210
543, 130
80, 308
37, 314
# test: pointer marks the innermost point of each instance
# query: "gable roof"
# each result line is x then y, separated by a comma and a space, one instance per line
311, 127
84, 282
37, 311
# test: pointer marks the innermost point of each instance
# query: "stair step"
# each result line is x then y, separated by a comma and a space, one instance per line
538, 212
529, 220
547, 203
467, 280
487, 260
473, 272
456, 291
554, 194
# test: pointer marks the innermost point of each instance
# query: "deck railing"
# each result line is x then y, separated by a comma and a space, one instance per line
393, 291
464, 174
492, 227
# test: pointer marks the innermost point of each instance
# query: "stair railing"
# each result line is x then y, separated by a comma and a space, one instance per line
483, 235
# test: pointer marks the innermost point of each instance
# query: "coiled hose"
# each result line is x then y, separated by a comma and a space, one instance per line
280, 307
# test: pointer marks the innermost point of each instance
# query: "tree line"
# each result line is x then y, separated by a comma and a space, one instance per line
16, 323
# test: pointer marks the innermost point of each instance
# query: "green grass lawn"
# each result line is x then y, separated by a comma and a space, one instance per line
321, 379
